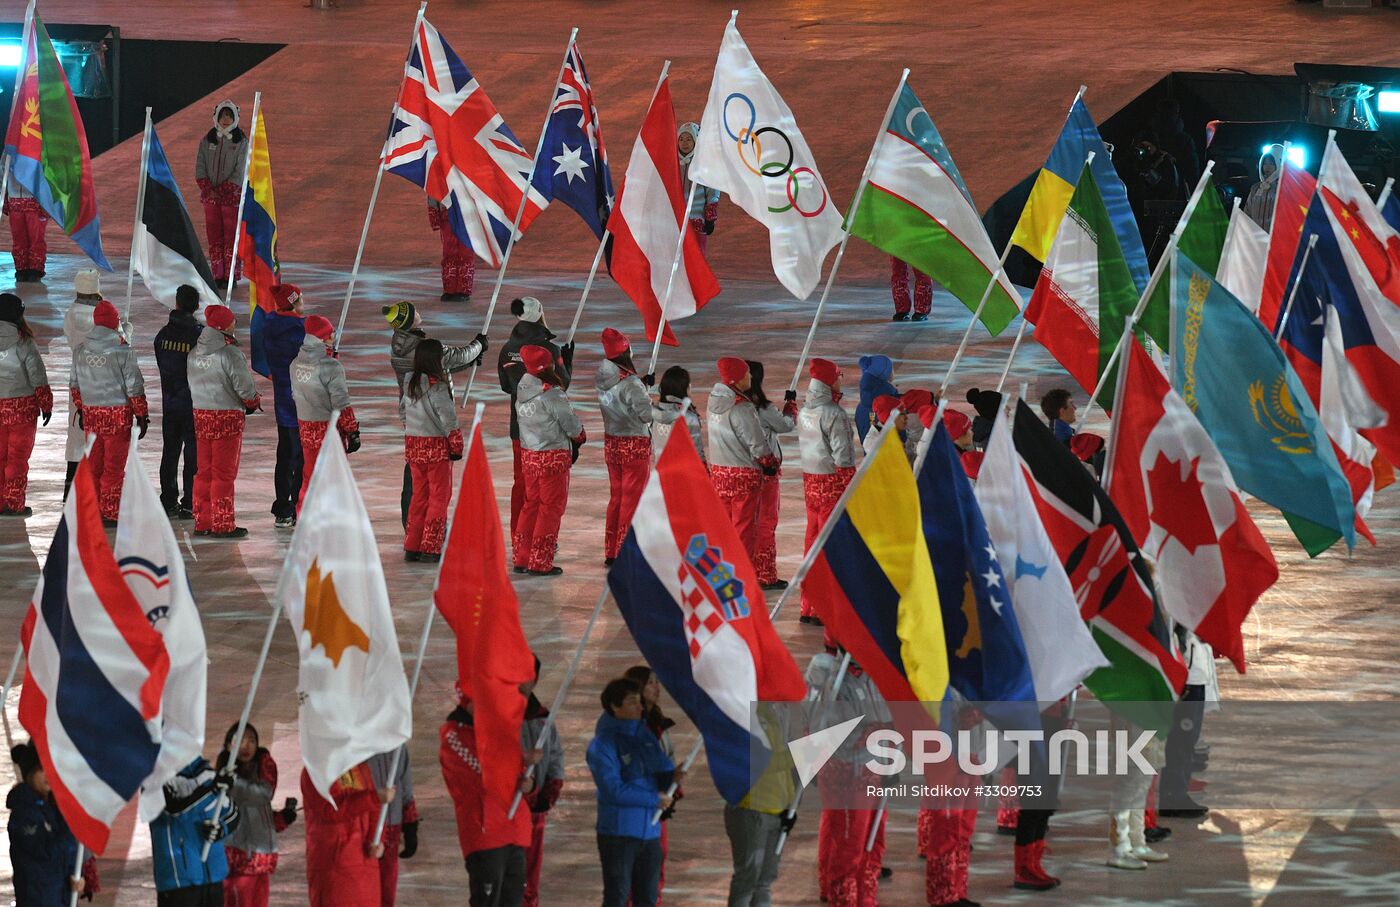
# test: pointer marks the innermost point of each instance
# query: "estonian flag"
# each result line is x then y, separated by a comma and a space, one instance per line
165, 250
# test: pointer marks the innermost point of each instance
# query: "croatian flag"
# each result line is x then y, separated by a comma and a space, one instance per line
96, 674
693, 604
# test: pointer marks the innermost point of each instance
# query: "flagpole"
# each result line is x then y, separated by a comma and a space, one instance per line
26, 33
242, 196
846, 231
77, 875
587, 285
140, 210
520, 211
5, 697
977, 314
374, 193
1288, 306
1152, 283
791, 812
4, 182
1385, 193
875, 825
563, 690
397, 758
671, 280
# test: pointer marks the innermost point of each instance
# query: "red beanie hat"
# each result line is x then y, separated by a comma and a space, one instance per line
883, 405
732, 369
615, 343
1085, 445
104, 315
285, 295
320, 326
926, 414
957, 423
218, 317
916, 399
825, 371
972, 463
536, 359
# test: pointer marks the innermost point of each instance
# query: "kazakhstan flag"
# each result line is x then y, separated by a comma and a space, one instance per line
1236, 380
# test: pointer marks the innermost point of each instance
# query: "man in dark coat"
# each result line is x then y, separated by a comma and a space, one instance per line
173, 345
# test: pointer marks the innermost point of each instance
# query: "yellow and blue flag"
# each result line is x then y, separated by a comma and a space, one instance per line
257, 242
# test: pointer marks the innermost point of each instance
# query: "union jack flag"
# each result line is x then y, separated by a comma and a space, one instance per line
447, 137
573, 164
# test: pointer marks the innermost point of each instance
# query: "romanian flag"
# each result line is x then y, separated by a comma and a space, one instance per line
47, 147
874, 587
257, 239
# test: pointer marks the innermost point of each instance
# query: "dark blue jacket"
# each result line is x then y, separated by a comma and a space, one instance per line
42, 849
282, 334
630, 769
875, 375
173, 345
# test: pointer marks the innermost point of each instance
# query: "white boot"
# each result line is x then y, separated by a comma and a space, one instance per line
1118, 836
1139, 841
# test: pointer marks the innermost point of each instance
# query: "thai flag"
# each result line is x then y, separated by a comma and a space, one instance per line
573, 164
96, 674
692, 601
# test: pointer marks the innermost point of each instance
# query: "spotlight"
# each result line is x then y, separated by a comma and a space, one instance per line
10, 55
1388, 101
1297, 154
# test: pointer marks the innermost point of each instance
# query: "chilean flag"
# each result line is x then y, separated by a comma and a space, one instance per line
96, 674
692, 601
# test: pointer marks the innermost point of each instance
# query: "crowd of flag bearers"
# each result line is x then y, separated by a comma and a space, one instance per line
940, 529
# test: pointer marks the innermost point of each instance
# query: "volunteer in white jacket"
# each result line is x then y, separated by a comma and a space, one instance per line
739, 453
826, 437
627, 418
550, 438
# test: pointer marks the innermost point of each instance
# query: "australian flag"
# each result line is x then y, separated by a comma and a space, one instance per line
573, 164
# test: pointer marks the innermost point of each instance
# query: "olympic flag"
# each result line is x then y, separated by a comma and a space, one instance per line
751, 150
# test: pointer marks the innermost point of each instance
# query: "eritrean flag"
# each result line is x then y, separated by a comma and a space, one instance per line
257, 242
47, 147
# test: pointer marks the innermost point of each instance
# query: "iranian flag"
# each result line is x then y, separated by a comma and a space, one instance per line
1175, 492
1085, 291
917, 208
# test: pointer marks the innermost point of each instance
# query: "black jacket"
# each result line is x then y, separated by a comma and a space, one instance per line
510, 369
173, 345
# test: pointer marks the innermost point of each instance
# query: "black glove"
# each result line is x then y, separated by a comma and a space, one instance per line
223, 781
454, 457
410, 841
709, 227
480, 356
80, 419
145, 424
770, 470
649, 379
787, 821
352, 442
790, 396
289, 811
566, 352
668, 812
249, 410
573, 457
485, 344
211, 831
47, 416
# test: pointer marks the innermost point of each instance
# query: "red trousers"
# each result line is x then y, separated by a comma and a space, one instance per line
697, 224
739, 489
517, 486
108, 459
389, 866
899, 287
821, 492
218, 438
427, 512
27, 224
847, 874
339, 870
629, 464
947, 837
313, 434
458, 264
220, 223
16, 445
765, 560
546, 480
248, 890
534, 859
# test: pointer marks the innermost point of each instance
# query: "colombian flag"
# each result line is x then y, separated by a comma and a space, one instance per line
257, 241
873, 583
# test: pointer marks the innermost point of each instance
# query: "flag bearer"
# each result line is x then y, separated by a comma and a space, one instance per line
432, 441
400, 823
775, 421
458, 263
28, 221
881, 410
223, 394
319, 389
900, 273
24, 397
77, 324
108, 392
342, 865
550, 439
739, 453
251, 848
218, 169
673, 406
185, 875
827, 441
42, 849
548, 782
876, 375
173, 345
282, 334
627, 419
657, 722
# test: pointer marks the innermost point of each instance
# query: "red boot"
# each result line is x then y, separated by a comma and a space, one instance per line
1030, 876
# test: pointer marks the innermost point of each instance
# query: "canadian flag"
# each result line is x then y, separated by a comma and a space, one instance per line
646, 223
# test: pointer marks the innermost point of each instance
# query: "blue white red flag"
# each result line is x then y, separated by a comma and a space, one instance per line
693, 603
96, 674
447, 137
573, 164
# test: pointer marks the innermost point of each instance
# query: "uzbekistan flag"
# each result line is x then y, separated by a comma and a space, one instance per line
692, 602
166, 248
96, 674
47, 147
874, 587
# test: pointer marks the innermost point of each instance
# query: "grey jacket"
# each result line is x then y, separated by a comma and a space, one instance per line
913, 435
552, 762
774, 422
547, 420
21, 368
405, 343
736, 436
825, 432
402, 782
665, 414
433, 415
255, 831
318, 382
858, 696
105, 371
220, 378
221, 161
624, 402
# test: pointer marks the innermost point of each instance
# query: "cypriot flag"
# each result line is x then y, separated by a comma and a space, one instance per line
351, 685
751, 150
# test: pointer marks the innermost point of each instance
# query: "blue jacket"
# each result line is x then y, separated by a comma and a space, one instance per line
173, 345
630, 769
42, 849
282, 334
875, 375
177, 838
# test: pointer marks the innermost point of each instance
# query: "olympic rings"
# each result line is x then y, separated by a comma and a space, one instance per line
750, 135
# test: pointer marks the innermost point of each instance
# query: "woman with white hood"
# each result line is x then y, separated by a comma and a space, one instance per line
704, 204
1259, 204
218, 168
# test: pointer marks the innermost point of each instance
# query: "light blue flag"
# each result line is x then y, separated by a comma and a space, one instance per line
1236, 380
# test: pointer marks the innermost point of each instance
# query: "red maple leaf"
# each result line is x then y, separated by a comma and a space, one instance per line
1179, 503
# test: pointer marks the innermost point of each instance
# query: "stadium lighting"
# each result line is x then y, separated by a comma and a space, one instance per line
1388, 101
10, 55
1297, 154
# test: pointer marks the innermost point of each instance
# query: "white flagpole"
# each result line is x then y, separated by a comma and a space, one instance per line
140, 210
977, 314
671, 280
520, 211
4, 183
77, 875
846, 232
1151, 288
374, 193
1292, 294
1385, 193
791, 812
875, 825
242, 195
5, 697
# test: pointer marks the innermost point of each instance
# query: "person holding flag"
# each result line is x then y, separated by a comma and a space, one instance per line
223, 395
739, 453
827, 441
530, 330
25, 396
342, 859
538, 732
28, 222
627, 418
319, 389
108, 392
188, 854
458, 266
551, 436
277, 343
219, 165
42, 848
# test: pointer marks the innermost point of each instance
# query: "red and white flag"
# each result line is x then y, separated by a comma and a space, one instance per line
647, 221
1295, 192
1179, 500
